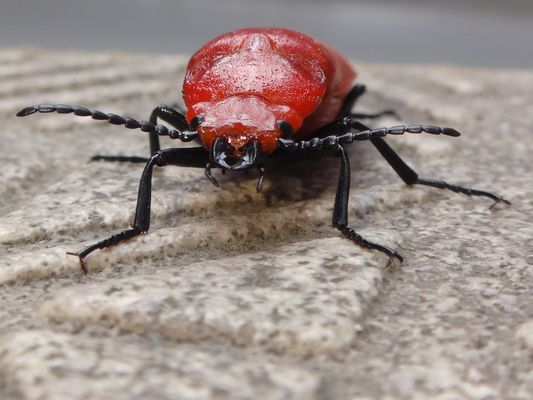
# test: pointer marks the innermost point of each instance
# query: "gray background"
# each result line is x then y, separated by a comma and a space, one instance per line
489, 34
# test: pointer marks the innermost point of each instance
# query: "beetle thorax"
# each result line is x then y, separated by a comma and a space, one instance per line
240, 119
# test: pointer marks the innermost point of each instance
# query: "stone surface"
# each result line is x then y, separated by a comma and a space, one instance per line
301, 298
239, 295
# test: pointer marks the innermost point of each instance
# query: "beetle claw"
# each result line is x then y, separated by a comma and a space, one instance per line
499, 200
82, 264
392, 257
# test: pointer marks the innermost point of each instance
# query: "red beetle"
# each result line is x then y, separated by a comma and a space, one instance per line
256, 93
243, 82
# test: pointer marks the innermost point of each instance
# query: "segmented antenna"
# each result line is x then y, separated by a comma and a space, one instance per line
113, 119
334, 141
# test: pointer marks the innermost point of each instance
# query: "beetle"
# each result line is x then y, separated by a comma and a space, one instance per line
256, 93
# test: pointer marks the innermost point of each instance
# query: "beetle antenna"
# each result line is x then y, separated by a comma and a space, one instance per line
130, 123
331, 142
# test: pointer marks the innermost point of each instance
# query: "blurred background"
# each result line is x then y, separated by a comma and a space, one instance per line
475, 33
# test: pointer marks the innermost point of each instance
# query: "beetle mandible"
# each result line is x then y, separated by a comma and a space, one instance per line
256, 93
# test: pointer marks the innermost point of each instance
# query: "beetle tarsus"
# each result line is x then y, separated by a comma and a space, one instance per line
366, 244
460, 189
340, 212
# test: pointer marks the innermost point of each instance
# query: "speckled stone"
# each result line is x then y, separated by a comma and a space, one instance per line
239, 295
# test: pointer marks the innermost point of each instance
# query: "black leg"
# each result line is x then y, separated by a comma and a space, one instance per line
337, 135
316, 148
340, 212
131, 159
350, 100
184, 157
410, 177
341, 125
373, 115
167, 114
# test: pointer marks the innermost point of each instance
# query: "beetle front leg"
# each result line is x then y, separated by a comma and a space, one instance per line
340, 212
142, 216
167, 114
184, 157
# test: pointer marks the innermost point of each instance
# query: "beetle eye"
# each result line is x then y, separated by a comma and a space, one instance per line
195, 121
285, 128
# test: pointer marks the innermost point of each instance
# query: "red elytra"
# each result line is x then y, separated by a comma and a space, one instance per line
244, 81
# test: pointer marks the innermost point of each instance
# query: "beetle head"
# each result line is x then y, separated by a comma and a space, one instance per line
240, 130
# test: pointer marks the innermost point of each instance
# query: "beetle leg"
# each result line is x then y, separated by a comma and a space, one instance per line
184, 157
340, 212
332, 146
349, 101
210, 176
373, 115
167, 114
410, 177
131, 159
